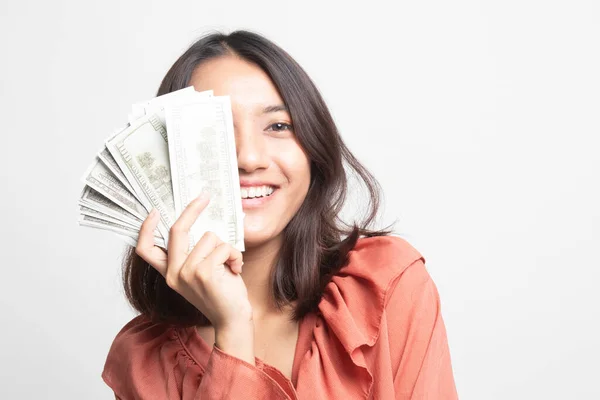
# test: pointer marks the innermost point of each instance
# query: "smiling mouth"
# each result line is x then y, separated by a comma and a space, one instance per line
256, 192
260, 200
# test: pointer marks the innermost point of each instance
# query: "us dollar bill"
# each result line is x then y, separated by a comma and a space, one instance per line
92, 199
101, 179
141, 151
133, 172
156, 105
182, 96
110, 163
203, 158
93, 222
105, 217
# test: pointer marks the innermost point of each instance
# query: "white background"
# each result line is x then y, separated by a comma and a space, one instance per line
480, 119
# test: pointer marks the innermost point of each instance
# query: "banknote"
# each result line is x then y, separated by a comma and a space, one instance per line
110, 163
203, 159
92, 199
83, 210
186, 95
90, 221
173, 148
101, 179
141, 151
157, 104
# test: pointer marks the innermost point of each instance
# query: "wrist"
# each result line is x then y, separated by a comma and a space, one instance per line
237, 341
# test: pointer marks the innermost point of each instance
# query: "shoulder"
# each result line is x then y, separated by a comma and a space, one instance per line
355, 299
376, 265
381, 259
396, 267
142, 358
137, 336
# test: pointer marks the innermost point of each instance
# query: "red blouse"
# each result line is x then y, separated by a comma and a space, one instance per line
378, 334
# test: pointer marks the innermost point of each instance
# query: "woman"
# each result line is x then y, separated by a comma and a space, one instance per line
320, 309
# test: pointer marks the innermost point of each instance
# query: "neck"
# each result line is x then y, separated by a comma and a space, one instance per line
259, 260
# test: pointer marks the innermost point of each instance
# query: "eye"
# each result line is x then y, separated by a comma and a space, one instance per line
280, 127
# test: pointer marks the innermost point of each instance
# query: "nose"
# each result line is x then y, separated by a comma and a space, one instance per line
251, 149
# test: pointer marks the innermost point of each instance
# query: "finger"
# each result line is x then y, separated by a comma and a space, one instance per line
153, 255
226, 254
178, 246
207, 243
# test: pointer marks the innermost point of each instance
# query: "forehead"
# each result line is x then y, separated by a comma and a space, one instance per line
249, 87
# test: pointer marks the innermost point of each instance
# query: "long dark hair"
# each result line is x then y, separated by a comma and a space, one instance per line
316, 241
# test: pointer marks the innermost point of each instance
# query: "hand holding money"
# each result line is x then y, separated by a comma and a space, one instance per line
208, 276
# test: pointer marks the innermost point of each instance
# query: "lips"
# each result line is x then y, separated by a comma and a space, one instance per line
255, 182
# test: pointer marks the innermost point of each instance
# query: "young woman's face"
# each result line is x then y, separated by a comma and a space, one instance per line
268, 153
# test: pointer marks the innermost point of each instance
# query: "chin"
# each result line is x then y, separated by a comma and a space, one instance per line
257, 236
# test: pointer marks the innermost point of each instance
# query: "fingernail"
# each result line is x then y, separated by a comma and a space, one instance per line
153, 213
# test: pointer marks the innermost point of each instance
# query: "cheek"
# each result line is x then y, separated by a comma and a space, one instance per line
296, 167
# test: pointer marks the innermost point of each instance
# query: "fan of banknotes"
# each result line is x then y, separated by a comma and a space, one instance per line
173, 148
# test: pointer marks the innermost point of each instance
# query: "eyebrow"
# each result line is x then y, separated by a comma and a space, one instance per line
275, 108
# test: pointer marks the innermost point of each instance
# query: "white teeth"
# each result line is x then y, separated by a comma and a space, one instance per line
256, 191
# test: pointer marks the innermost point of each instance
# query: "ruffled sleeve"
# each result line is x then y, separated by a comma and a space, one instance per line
380, 299
151, 361
146, 360
421, 364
